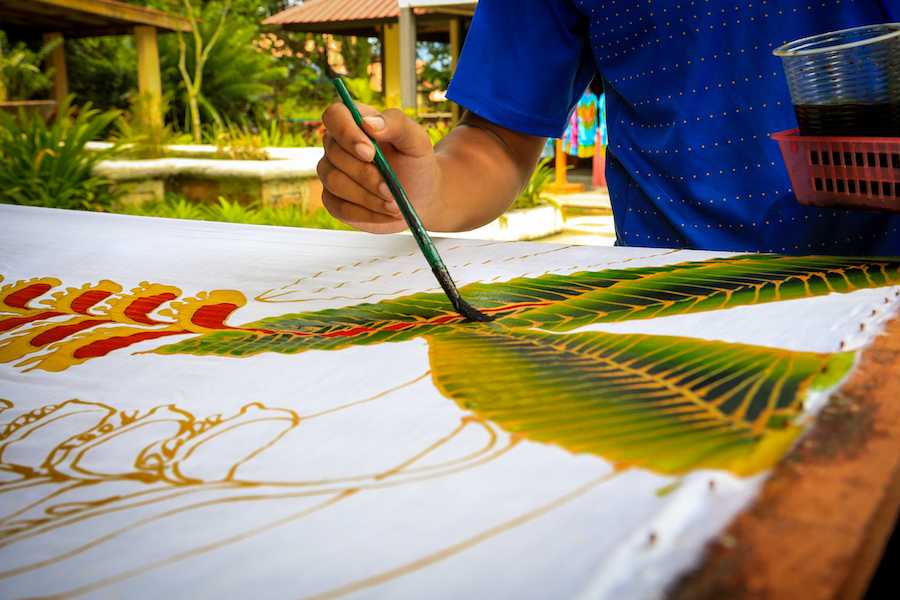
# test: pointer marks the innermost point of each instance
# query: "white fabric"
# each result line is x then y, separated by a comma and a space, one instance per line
532, 522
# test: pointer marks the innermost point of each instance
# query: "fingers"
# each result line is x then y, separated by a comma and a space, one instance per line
394, 127
340, 125
361, 217
363, 173
343, 186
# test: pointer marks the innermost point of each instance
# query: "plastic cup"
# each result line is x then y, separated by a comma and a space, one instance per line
846, 82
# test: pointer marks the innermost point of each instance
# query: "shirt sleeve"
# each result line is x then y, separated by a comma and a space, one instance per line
524, 64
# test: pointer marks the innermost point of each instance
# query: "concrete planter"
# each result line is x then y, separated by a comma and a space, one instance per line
288, 178
518, 225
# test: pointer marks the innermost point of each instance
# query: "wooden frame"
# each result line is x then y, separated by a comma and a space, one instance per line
821, 524
75, 17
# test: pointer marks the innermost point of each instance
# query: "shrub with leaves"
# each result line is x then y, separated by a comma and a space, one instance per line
22, 76
243, 141
236, 79
530, 196
139, 138
437, 131
45, 163
289, 215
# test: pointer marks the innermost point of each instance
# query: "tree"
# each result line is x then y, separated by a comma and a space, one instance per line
193, 83
21, 74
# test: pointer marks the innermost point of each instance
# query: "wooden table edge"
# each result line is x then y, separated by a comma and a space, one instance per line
823, 518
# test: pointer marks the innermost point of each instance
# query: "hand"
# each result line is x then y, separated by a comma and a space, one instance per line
354, 191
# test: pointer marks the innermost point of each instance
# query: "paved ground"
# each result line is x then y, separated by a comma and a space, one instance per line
589, 219
588, 230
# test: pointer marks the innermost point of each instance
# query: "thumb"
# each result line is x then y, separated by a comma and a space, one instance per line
394, 127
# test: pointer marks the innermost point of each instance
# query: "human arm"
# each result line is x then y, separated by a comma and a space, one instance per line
467, 180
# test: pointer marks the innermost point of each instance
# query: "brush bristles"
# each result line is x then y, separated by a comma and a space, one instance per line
471, 313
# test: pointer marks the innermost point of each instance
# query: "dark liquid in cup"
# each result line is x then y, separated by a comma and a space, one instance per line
876, 120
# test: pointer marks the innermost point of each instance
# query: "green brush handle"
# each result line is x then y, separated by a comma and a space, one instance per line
390, 178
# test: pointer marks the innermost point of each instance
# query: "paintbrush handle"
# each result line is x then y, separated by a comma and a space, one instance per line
393, 182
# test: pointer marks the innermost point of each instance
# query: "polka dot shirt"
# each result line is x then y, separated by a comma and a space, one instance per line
693, 92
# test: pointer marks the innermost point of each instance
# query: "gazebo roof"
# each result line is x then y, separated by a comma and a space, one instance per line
348, 17
336, 12
83, 18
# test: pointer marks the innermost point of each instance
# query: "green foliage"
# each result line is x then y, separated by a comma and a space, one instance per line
242, 141
437, 131
530, 196
21, 72
237, 78
361, 90
45, 164
274, 137
436, 58
103, 71
290, 215
238, 142
138, 139
357, 53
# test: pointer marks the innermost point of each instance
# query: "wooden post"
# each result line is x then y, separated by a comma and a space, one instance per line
2, 85
408, 77
455, 47
390, 64
561, 185
149, 85
57, 61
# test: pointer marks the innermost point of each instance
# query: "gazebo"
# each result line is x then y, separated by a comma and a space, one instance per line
397, 23
54, 19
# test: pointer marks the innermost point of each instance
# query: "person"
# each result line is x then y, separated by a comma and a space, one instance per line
692, 90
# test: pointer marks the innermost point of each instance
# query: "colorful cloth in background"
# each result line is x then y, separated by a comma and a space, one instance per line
584, 128
587, 113
601, 113
579, 138
570, 136
549, 148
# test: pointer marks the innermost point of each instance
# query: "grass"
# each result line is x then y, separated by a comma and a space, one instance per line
290, 215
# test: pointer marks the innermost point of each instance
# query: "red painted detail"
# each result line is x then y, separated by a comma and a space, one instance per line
103, 347
445, 319
138, 310
212, 316
12, 323
348, 332
21, 298
362, 329
63, 331
88, 299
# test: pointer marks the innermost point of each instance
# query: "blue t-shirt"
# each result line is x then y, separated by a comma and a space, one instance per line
693, 92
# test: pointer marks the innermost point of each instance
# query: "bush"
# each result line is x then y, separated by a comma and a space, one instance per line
290, 215
102, 71
45, 164
237, 79
242, 141
139, 139
436, 131
530, 196
21, 72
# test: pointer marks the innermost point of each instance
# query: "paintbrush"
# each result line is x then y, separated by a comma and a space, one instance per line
412, 218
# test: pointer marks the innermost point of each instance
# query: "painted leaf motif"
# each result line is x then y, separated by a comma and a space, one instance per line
558, 302
663, 403
77, 324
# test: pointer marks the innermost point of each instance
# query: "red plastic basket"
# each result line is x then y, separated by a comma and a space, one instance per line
861, 172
